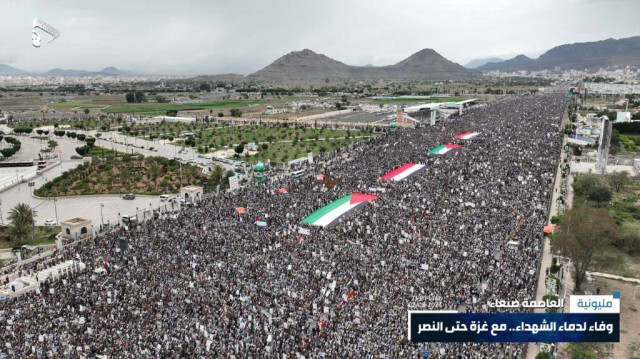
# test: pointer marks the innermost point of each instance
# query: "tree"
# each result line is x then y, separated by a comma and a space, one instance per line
236, 112
543, 355
162, 99
21, 227
130, 97
585, 182
220, 114
618, 180
239, 149
81, 136
584, 231
172, 113
91, 141
614, 143
86, 111
82, 151
216, 175
53, 144
205, 87
599, 194
140, 96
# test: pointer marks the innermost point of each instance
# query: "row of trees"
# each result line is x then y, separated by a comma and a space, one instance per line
137, 96
588, 228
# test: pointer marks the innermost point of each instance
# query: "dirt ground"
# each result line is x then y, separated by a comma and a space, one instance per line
629, 345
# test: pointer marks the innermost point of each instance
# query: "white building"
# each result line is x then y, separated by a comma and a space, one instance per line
623, 117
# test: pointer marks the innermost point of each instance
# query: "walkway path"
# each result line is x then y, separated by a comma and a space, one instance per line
547, 255
613, 276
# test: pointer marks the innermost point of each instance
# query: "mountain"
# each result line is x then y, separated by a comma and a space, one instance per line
578, 56
61, 72
307, 65
6, 70
107, 71
474, 64
427, 64
519, 62
112, 71
303, 65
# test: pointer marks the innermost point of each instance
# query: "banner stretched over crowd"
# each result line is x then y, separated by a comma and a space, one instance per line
329, 215
466, 135
442, 149
402, 172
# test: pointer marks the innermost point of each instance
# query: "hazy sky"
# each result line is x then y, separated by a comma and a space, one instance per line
210, 37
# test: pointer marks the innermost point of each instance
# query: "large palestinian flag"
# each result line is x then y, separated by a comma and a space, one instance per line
329, 215
442, 149
466, 135
402, 172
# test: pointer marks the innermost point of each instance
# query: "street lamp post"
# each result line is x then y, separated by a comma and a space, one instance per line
55, 200
101, 216
33, 225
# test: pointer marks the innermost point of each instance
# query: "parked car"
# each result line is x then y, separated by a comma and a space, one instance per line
50, 222
129, 196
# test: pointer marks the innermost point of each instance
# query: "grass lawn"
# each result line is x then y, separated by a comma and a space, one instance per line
283, 143
217, 135
282, 152
103, 152
42, 236
146, 107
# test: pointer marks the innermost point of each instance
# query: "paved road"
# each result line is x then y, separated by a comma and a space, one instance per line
86, 206
70, 207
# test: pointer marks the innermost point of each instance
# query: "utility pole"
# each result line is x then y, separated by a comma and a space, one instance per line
101, 215
55, 200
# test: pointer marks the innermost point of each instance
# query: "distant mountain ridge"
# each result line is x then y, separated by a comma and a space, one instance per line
578, 56
6, 70
307, 65
474, 64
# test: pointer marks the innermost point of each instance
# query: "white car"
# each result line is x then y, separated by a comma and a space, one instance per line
49, 222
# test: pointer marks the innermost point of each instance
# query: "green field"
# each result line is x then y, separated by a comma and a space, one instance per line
155, 107
428, 100
161, 108
75, 104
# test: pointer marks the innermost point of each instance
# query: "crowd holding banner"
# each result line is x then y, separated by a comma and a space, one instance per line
210, 283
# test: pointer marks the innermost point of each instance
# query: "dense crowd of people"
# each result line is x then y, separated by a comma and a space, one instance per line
209, 283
